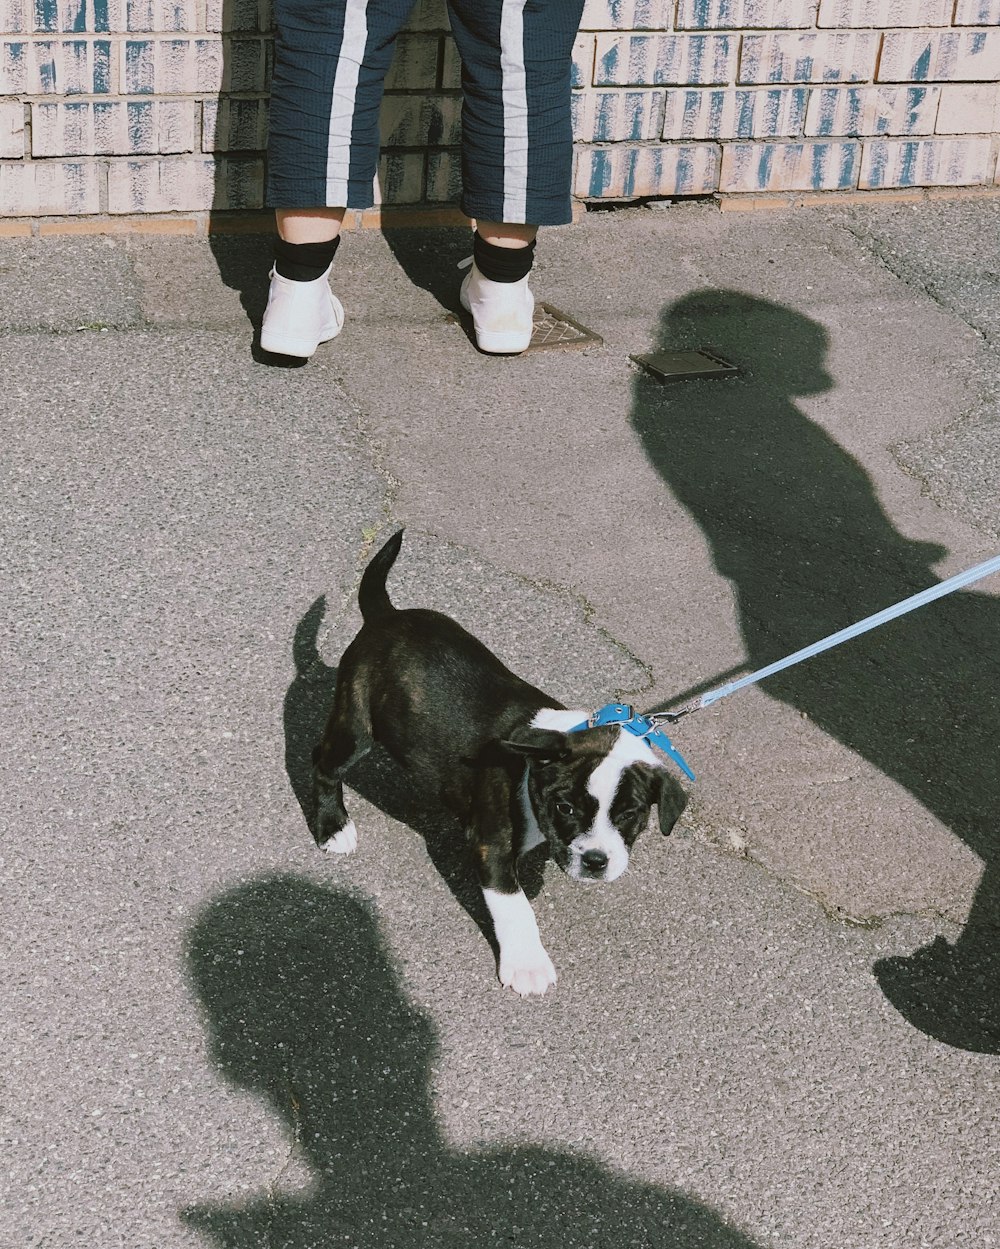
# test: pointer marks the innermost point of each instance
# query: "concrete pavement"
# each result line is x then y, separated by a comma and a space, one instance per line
780, 1028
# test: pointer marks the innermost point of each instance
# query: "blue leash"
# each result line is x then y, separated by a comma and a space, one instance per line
844, 635
648, 726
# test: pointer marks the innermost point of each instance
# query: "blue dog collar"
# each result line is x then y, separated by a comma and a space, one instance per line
639, 726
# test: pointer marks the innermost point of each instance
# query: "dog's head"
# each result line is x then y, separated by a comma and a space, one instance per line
591, 793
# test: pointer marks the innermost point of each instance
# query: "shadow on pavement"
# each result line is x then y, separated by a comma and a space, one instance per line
244, 262
236, 132
796, 525
306, 1011
430, 258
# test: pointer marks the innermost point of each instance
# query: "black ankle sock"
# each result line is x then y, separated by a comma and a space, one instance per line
502, 264
304, 262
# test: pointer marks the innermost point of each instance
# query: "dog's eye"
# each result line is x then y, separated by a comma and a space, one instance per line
564, 808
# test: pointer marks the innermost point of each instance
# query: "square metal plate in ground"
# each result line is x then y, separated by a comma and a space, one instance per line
685, 366
550, 328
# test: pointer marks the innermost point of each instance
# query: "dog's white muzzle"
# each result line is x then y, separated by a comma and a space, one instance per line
599, 856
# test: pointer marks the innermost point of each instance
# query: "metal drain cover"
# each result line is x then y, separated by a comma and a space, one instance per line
550, 328
553, 328
684, 366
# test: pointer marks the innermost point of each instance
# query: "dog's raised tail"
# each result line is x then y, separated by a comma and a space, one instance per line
373, 599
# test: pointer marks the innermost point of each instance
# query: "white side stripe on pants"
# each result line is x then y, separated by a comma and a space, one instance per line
515, 111
345, 90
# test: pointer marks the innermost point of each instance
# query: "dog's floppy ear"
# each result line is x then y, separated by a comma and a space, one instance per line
542, 745
671, 802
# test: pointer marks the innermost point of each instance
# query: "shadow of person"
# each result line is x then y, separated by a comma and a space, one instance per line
234, 137
796, 525
430, 258
305, 1010
380, 780
244, 262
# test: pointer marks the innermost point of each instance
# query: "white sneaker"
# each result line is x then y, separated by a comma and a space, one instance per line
300, 315
501, 312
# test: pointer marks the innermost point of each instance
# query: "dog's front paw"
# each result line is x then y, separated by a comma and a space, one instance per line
527, 972
344, 842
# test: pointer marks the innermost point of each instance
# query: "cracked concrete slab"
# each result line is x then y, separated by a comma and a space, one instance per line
67, 284
951, 251
396, 278
835, 344
219, 1036
949, 248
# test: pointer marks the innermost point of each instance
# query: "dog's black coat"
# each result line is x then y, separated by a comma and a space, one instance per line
460, 723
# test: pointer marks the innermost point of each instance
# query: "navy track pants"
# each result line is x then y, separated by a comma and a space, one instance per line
331, 59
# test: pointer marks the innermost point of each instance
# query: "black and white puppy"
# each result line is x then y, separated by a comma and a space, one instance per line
493, 749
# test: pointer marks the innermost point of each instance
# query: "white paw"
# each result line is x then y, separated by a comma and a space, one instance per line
344, 842
528, 972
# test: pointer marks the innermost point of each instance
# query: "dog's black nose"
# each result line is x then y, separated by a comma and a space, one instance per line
594, 860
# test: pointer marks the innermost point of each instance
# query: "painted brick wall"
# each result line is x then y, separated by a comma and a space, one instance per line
121, 107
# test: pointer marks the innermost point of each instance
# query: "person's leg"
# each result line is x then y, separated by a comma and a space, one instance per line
517, 149
506, 234
308, 225
331, 58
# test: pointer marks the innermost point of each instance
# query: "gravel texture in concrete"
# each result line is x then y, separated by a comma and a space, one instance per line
781, 1028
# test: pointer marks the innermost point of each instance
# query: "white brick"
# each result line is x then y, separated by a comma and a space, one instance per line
112, 128
660, 60
941, 56
444, 177
57, 16
617, 116
969, 109
927, 162
184, 185
56, 67
15, 17
171, 66
582, 71
400, 178
790, 166
68, 16
415, 63
11, 130
189, 66
234, 15
166, 15
808, 58
872, 110
735, 113
16, 66
626, 15
234, 125
239, 182
625, 172
451, 66
884, 14
49, 188
745, 14
246, 64
428, 15
977, 13
421, 120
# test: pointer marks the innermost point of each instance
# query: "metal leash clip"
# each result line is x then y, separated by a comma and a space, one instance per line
671, 717
639, 726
